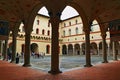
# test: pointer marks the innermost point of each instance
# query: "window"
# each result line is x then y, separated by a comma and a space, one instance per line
64, 25
48, 32
38, 22
76, 30
76, 21
63, 33
37, 31
48, 49
43, 32
70, 23
69, 31
48, 23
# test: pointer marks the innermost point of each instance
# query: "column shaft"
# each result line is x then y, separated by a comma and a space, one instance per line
27, 50
55, 46
115, 52
104, 49
87, 49
5, 50
13, 47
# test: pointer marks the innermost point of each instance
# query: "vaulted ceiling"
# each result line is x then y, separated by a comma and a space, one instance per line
15, 10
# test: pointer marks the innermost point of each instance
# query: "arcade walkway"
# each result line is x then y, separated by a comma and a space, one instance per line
109, 71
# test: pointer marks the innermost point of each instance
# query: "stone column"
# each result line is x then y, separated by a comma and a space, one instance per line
87, 47
5, 50
81, 49
27, 50
55, 20
98, 51
67, 49
108, 49
28, 30
115, 52
104, 48
74, 53
14, 35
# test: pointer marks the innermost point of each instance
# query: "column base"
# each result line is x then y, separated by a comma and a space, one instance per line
105, 62
12, 61
26, 65
5, 59
54, 72
115, 59
88, 65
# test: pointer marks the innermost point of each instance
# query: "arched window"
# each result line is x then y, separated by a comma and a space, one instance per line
63, 33
43, 32
23, 48
70, 23
48, 32
64, 25
48, 49
37, 31
69, 31
76, 21
76, 30
38, 22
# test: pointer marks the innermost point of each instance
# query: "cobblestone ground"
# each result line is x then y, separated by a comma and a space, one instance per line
66, 62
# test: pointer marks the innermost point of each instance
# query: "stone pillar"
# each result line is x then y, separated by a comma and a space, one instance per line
28, 30
81, 50
87, 47
115, 52
55, 20
98, 51
104, 48
108, 49
5, 50
74, 53
14, 35
27, 50
66, 49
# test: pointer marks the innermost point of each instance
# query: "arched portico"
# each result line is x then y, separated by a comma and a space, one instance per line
70, 49
64, 49
94, 48
77, 49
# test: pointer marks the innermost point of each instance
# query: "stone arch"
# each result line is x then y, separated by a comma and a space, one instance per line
23, 48
34, 47
93, 48
48, 49
70, 49
64, 49
83, 48
79, 9
100, 47
77, 49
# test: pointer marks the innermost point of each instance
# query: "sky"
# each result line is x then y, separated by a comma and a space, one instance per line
68, 10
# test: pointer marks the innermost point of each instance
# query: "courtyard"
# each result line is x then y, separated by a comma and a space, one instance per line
66, 62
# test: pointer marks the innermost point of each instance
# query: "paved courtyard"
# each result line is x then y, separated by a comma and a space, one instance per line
66, 62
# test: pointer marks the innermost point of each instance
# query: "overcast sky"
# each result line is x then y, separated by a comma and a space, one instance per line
67, 12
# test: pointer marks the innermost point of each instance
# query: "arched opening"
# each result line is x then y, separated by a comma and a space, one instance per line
93, 48
23, 48
77, 49
64, 50
83, 48
43, 32
37, 31
70, 49
48, 49
48, 33
34, 48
